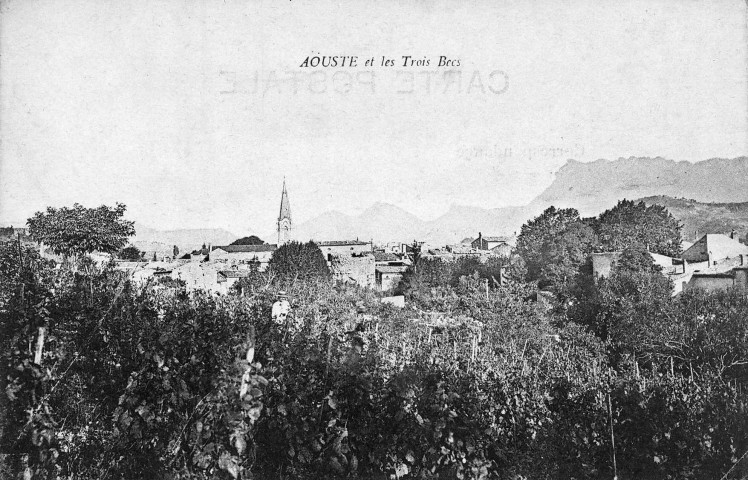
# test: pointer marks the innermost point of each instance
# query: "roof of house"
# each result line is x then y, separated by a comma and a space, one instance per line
337, 243
713, 275
721, 246
247, 248
234, 273
385, 257
391, 268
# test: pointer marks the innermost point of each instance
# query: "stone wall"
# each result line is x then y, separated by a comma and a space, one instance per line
353, 268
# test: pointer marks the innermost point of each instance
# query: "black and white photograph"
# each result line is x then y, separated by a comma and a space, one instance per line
391, 240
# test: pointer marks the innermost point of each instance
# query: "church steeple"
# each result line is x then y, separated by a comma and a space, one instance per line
284, 218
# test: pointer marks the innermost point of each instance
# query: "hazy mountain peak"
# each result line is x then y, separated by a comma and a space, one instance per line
595, 186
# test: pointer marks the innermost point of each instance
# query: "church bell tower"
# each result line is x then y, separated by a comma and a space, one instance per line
284, 218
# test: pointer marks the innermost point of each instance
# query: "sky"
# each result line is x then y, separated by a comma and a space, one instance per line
193, 112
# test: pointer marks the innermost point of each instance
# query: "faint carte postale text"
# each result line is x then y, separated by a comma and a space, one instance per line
522, 152
410, 81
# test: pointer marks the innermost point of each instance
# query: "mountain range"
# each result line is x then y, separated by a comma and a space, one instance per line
186, 239
589, 187
716, 188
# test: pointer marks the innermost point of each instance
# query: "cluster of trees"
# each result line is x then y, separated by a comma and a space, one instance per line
558, 242
152, 382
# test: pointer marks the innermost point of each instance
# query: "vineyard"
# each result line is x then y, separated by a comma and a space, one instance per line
473, 379
147, 383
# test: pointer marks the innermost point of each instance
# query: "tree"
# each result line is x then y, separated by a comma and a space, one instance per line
562, 254
302, 260
650, 226
72, 232
630, 308
539, 231
175, 251
251, 240
130, 252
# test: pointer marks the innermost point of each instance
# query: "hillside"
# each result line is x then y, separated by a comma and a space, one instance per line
699, 218
385, 222
186, 239
381, 221
589, 187
594, 186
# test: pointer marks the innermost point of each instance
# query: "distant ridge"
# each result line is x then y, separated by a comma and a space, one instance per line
699, 218
589, 187
594, 186
185, 238
717, 189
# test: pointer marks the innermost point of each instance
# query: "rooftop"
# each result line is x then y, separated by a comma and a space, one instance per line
391, 269
338, 243
247, 248
234, 273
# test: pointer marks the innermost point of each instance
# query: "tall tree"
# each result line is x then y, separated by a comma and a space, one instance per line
72, 232
302, 260
563, 254
630, 223
540, 231
628, 309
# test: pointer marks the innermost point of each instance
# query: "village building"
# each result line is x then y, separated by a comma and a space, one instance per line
712, 281
198, 275
225, 279
334, 248
357, 268
502, 246
713, 262
714, 248
244, 255
388, 277
12, 234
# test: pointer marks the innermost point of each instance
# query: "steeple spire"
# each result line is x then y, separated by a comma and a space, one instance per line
284, 217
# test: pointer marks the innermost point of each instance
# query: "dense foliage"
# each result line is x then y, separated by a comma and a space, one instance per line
556, 244
475, 379
630, 223
250, 240
130, 252
79, 230
539, 233
300, 261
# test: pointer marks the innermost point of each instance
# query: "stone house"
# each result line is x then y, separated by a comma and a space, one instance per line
225, 279
343, 247
714, 247
716, 281
243, 255
388, 276
505, 244
357, 268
